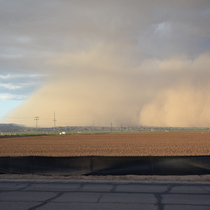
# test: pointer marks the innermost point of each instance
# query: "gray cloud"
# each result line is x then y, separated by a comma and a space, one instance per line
19, 86
121, 61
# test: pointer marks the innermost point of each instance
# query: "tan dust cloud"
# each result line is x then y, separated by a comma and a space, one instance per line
186, 101
101, 87
178, 107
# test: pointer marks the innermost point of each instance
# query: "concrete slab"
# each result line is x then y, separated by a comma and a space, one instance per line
78, 197
53, 187
97, 187
188, 189
186, 199
185, 207
97, 206
206, 188
12, 186
128, 198
17, 205
123, 195
141, 188
26, 196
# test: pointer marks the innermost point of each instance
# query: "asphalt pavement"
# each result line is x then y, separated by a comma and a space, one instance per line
110, 195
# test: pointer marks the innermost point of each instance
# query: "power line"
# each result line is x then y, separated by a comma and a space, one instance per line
36, 119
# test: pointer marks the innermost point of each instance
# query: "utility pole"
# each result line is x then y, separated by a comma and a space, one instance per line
36, 119
111, 127
54, 121
93, 127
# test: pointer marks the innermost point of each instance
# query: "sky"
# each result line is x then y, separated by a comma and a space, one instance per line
95, 62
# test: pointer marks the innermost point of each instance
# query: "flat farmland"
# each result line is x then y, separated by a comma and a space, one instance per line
121, 144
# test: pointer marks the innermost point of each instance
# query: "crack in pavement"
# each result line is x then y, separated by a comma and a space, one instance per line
99, 198
23, 188
113, 188
46, 202
158, 196
159, 203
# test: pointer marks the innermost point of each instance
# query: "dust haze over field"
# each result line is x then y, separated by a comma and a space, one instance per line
125, 62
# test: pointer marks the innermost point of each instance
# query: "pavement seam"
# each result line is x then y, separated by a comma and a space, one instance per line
159, 203
23, 188
99, 198
159, 197
113, 188
169, 188
46, 202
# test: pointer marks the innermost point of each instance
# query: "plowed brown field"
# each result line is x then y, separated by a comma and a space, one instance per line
124, 144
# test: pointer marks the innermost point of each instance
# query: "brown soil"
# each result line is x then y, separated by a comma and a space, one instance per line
124, 144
